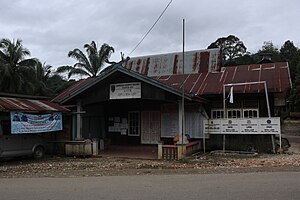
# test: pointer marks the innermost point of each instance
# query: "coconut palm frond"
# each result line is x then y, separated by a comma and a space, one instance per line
77, 71
63, 69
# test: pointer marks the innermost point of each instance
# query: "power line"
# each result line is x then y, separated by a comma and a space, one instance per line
151, 27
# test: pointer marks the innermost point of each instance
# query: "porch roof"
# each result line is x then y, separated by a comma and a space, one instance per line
29, 105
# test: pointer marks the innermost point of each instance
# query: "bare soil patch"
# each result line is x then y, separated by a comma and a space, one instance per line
111, 166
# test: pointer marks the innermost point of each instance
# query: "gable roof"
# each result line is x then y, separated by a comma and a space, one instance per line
84, 85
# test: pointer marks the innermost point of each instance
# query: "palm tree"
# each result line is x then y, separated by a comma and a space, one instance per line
90, 64
42, 75
16, 72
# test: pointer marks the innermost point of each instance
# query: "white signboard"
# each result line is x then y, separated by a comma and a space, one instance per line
242, 126
125, 90
230, 126
249, 126
269, 125
212, 126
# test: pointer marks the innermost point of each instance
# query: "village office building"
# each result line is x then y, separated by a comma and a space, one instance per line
140, 101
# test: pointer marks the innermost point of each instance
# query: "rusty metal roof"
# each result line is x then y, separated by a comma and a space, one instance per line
29, 105
207, 60
276, 75
84, 84
72, 89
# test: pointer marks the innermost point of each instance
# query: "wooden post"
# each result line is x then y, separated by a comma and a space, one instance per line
160, 151
78, 121
181, 151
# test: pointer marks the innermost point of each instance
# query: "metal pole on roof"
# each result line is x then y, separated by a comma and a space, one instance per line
224, 113
269, 115
182, 106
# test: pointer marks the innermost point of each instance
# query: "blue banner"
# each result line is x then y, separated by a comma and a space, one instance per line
35, 123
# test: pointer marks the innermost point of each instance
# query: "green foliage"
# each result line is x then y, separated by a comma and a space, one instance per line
271, 50
26, 76
42, 74
90, 64
231, 47
295, 93
291, 54
16, 72
57, 84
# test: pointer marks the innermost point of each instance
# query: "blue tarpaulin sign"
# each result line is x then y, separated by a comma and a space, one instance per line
35, 123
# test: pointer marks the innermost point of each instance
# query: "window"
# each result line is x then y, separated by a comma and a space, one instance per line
134, 123
233, 113
216, 114
250, 113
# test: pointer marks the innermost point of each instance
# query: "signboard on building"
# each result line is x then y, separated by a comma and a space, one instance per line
269, 125
242, 126
198, 61
35, 123
212, 126
230, 126
249, 126
125, 90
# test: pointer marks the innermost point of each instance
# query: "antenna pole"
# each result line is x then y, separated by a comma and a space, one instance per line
182, 101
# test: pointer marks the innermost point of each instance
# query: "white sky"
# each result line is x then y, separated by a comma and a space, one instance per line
50, 29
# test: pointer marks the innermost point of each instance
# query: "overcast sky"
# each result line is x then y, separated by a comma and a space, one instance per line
50, 29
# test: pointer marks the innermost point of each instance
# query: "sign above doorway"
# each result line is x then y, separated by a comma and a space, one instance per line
125, 90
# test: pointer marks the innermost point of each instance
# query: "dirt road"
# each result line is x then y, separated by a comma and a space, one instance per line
108, 166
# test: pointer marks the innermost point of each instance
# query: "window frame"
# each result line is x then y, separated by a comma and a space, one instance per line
251, 109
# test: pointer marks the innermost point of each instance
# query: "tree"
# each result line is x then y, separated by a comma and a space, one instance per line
291, 54
57, 84
295, 93
42, 75
16, 72
231, 47
90, 64
270, 50
288, 50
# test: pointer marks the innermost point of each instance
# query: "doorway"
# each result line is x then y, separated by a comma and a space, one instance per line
150, 127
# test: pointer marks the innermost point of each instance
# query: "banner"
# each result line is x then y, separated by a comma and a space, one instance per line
35, 123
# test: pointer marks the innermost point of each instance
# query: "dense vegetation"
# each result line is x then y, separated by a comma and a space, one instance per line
21, 74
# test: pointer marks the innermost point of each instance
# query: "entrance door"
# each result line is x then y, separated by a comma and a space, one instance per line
150, 127
134, 123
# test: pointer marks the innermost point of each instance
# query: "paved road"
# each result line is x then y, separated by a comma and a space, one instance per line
276, 185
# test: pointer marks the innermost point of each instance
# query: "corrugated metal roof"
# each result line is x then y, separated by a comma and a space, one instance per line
82, 85
276, 76
207, 60
29, 105
72, 89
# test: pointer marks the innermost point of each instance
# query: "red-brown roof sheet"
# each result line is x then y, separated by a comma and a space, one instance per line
276, 76
81, 83
29, 105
